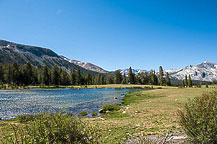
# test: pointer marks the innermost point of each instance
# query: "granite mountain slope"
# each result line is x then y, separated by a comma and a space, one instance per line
12, 52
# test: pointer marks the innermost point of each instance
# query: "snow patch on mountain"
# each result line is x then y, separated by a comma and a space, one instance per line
135, 71
205, 71
86, 65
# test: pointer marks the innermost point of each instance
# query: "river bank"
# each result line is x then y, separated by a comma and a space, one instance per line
118, 86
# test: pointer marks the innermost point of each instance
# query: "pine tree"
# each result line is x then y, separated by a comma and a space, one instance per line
45, 76
153, 78
88, 78
186, 80
72, 77
131, 77
183, 83
8, 74
101, 80
124, 79
189, 81
160, 77
64, 77
168, 82
28, 74
55, 76
16, 74
1, 74
118, 77
109, 79
78, 77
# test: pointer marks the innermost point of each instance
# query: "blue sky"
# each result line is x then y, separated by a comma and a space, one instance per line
116, 34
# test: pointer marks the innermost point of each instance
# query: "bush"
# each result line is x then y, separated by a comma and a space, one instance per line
110, 107
27, 118
199, 119
54, 128
94, 114
82, 114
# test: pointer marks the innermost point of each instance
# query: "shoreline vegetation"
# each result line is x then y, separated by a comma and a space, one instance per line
151, 113
116, 86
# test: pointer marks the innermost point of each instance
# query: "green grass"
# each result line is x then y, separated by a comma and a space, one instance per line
133, 97
143, 113
148, 112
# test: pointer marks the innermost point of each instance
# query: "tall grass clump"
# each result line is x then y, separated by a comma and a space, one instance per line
110, 107
199, 119
53, 128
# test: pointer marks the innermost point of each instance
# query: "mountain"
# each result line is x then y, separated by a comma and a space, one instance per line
12, 52
86, 65
205, 71
135, 71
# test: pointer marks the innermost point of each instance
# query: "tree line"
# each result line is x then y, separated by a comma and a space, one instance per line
143, 78
15, 74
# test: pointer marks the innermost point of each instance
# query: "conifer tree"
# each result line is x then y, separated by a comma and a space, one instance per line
1, 74
160, 77
16, 74
183, 83
55, 76
186, 80
45, 76
124, 79
27, 74
72, 77
8, 74
64, 77
153, 78
118, 77
101, 80
131, 77
88, 78
78, 77
168, 82
189, 81
109, 79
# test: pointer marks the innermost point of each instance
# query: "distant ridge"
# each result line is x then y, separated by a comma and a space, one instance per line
12, 52
86, 65
206, 71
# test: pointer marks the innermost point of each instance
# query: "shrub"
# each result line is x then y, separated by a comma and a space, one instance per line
54, 128
82, 114
110, 107
199, 119
27, 118
94, 114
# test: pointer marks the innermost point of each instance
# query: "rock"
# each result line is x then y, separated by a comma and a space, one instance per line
101, 118
100, 110
137, 125
178, 137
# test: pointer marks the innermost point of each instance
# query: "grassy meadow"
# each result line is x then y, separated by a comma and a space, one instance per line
143, 112
150, 112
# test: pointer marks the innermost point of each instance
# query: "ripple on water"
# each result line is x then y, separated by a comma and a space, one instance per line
30, 101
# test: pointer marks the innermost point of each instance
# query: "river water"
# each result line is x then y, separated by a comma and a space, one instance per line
30, 101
